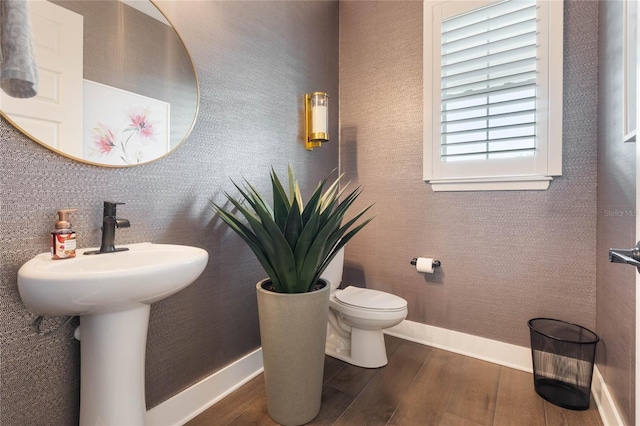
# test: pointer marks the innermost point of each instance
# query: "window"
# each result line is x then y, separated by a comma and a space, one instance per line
492, 94
629, 68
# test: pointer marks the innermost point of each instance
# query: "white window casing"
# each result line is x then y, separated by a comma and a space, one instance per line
492, 94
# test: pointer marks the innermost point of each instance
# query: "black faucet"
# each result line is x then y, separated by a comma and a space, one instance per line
109, 224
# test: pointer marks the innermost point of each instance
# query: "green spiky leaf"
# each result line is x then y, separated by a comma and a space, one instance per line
294, 243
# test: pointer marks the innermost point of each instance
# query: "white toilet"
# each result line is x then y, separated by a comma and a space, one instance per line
357, 317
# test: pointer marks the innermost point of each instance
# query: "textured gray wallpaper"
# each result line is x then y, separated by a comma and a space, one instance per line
616, 284
506, 256
255, 60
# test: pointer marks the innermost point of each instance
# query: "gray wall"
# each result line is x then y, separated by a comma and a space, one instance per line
615, 307
255, 60
506, 256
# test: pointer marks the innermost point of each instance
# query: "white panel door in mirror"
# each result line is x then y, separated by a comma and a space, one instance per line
53, 115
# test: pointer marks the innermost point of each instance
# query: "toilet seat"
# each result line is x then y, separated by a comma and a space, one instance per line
370, 300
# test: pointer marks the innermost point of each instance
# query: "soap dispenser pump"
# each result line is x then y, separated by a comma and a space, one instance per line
63, 238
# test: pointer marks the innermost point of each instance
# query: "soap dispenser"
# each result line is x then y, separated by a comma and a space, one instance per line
63, 238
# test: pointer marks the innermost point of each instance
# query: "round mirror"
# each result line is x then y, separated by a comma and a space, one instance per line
115, 84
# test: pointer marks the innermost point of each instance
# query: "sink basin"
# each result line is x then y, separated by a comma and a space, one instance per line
146, 273
112, 294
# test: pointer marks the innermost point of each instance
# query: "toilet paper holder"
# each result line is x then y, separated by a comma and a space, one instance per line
435, 263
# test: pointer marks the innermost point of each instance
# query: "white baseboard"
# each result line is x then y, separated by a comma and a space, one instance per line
513, 356
186, 405
506, 354
604, 401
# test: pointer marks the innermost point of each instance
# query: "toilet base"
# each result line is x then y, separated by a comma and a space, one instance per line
365, 348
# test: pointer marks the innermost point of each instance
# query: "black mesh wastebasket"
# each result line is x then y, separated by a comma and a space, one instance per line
563, 356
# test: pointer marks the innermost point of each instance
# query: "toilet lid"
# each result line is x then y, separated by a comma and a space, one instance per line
366, 298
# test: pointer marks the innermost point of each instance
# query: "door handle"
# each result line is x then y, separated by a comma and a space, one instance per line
630, 256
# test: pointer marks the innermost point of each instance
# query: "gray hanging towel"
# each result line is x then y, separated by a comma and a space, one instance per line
18, 69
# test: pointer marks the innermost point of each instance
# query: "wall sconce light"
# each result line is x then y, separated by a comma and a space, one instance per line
317, 119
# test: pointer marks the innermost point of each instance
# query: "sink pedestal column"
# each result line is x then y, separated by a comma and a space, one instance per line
112, 359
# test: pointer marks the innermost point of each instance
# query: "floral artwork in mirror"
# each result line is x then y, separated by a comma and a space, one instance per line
129, 129
119, 89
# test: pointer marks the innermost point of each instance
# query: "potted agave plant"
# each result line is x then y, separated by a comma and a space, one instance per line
294, 243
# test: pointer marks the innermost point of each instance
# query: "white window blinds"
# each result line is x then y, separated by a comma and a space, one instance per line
488, 83
492, 94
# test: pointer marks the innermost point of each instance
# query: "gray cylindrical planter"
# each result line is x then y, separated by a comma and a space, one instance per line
293, 331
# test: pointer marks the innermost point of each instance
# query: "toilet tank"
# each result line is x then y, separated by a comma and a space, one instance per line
333, 273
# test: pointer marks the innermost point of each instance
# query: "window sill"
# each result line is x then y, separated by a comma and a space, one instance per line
502, 183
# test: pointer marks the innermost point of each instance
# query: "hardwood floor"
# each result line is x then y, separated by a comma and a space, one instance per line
420, 386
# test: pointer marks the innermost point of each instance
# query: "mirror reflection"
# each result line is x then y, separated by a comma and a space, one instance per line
115, 84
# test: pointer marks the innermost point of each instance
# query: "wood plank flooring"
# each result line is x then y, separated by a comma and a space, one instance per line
420, 386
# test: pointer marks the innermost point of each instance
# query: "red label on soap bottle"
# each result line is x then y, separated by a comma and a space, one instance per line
63, 245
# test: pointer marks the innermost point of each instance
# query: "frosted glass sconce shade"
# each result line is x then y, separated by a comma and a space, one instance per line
317, 119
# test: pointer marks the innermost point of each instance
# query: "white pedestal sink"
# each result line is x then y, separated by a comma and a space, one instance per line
112, 294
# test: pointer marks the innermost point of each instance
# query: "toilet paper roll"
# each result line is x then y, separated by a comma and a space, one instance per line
424, 264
